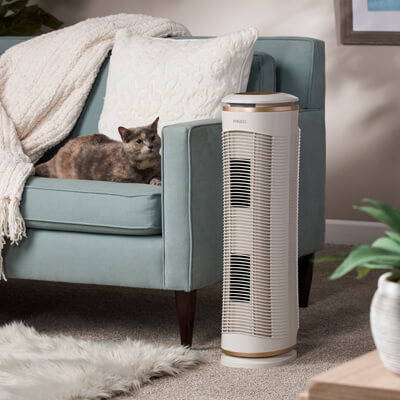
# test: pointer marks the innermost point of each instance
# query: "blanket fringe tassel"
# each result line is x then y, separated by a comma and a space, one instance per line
12, 226
2, 244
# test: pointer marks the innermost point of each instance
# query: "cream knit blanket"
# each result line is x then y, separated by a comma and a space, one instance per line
44, 83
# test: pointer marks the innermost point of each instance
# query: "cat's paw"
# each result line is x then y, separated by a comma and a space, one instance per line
155, 181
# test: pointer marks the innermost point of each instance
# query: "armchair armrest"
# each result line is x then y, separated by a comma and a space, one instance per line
191, 173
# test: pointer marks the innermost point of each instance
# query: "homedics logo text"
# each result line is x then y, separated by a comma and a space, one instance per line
239, 121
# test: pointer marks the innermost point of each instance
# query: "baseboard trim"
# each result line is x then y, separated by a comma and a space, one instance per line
340, 231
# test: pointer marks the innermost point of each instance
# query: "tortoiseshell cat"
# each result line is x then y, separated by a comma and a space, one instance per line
97, 157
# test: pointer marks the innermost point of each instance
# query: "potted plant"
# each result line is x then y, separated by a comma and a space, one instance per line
17, 18
383, 254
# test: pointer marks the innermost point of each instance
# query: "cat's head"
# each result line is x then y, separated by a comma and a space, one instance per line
143, 142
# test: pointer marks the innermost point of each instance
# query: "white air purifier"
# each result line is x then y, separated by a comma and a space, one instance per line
260, 169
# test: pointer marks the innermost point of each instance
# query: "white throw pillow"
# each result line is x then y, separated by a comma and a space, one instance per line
176, 80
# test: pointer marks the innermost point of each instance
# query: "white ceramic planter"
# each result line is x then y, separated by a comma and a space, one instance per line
385, 322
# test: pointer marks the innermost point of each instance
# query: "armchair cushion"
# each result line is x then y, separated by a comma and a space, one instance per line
92, 206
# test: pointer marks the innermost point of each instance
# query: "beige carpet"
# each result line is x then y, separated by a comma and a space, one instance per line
333, 329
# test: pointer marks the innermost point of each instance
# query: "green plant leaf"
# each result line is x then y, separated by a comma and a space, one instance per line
365, 255
25, 24
362, 271
388, 244
394, 236
3, 11
16, 5
390, 216
333, 257
49, 20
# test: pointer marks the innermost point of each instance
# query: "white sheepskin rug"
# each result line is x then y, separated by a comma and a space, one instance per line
40, 367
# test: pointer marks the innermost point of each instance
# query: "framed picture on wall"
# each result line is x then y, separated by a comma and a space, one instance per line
370, 22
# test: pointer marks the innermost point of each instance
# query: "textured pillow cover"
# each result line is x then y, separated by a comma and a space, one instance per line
177, 80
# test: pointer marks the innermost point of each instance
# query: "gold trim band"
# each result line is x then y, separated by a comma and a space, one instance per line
269, 105
258, 355
256, 93
261, 109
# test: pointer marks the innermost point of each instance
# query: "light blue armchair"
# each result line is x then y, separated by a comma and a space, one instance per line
170, 237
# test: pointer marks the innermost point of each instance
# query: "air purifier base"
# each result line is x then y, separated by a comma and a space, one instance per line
267, 362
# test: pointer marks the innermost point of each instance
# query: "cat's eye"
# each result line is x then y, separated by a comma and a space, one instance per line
152, 138
139, 141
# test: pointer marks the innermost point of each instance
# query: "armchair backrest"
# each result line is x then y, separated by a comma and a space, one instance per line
299, 67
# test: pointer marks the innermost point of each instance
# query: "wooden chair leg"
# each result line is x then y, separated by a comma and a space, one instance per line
306, 265
185, 309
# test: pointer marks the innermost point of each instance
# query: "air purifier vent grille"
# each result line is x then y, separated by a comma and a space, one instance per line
239, 182
239, 278
256, 203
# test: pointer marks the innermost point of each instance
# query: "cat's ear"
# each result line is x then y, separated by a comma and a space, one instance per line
124, 133
154, 124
